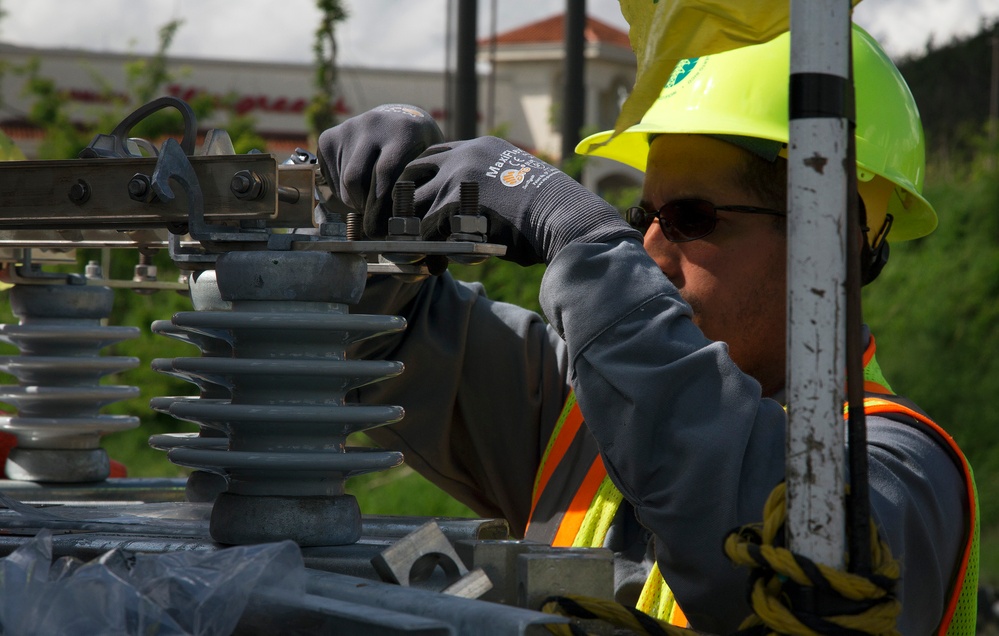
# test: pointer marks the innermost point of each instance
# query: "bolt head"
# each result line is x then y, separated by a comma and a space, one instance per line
79, 192
139, 188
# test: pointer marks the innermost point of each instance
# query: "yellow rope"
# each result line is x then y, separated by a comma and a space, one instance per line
753, 546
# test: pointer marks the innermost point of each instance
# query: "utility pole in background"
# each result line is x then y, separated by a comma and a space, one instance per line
491, 88
574, 93
466, 93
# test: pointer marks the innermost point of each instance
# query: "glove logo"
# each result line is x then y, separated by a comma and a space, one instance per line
401, 108
514, 177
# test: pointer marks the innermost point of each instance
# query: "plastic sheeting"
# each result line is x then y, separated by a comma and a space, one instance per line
129, 593
663, 32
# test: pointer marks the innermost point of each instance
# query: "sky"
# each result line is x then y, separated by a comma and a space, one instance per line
383, 33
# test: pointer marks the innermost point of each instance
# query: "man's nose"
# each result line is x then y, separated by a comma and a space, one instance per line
666, 254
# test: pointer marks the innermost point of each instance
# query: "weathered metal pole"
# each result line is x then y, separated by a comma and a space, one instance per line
466, 94
574, 92
820, 105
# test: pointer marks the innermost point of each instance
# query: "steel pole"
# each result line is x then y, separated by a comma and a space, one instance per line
816, 311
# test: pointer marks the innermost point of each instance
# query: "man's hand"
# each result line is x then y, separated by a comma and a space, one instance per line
532, 208
363, 157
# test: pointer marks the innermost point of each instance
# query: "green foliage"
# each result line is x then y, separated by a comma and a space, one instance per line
62, 138
934, 312
146, 76
951, 85
402, 491
505, 281
320, 113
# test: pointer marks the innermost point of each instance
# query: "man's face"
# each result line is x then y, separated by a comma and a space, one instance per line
734, 278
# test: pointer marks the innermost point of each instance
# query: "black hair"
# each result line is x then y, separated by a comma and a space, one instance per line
768, 181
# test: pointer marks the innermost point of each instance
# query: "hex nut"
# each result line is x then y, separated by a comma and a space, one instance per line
404, 226
469, 224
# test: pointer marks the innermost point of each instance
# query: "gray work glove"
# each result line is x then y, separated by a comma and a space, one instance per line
362, 158
532, 208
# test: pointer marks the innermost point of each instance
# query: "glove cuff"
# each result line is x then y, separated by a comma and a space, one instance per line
573, 214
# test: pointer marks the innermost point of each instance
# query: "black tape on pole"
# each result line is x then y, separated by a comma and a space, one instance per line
817, 95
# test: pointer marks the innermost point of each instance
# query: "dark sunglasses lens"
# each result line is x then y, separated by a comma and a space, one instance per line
687, 219
639, 219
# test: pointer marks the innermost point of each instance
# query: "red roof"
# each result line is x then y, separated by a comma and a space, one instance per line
552, 30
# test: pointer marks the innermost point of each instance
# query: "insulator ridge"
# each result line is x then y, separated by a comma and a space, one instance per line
59, 395
281, 395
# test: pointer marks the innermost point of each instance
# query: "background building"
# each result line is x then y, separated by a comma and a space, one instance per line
519, 90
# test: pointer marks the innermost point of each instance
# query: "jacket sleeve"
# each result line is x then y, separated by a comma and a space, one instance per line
690, 442
484, 383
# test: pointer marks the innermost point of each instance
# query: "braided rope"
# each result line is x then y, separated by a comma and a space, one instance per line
866, 604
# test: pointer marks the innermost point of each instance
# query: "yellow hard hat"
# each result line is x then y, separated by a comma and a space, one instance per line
744, 92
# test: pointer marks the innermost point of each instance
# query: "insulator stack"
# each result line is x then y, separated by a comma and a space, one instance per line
202, 486
285, 418
59, 397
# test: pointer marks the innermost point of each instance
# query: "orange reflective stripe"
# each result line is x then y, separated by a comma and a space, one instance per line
874, 406
573, 518
564, 436
869, 352
874, 387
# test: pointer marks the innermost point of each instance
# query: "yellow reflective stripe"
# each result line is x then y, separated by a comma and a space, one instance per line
964, 619
872, 373
960, 613
599, 516
657, 600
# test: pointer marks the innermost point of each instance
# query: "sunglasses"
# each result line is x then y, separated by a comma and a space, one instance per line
688, 219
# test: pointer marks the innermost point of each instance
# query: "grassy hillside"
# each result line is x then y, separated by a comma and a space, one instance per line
935, 313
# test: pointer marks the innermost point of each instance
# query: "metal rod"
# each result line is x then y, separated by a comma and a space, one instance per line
817, 193
466, 100
574, 93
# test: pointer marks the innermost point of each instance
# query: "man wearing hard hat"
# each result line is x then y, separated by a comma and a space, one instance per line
647, 414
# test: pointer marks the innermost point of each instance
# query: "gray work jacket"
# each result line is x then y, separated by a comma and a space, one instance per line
685, 435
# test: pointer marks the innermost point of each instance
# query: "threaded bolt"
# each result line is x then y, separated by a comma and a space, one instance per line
469, 198
354, 230
404, 199
404, 224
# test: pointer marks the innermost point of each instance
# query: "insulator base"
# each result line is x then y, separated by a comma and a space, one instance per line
308, 521
58, 465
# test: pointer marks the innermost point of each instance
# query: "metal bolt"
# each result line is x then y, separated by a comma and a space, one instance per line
469, 197
354, 229
404, 199
247, 185
468, 224
139, 188
404, 223
93, 270
79, 192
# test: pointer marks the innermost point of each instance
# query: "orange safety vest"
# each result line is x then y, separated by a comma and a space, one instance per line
574, 501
